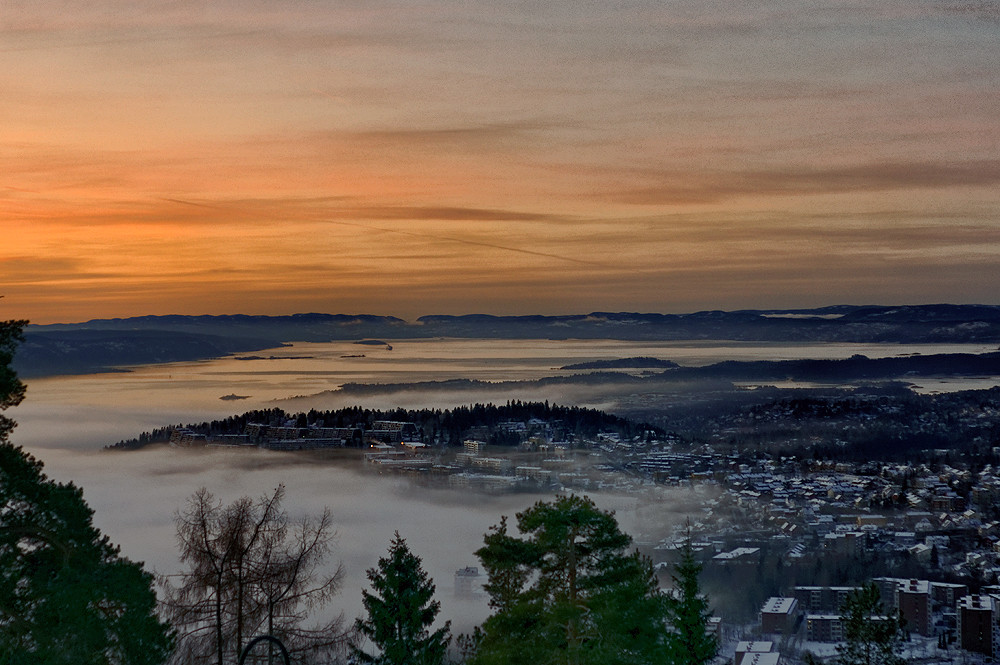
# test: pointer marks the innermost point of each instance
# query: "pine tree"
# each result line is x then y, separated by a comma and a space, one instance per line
688, 614
400, 612
67, 596
568, 591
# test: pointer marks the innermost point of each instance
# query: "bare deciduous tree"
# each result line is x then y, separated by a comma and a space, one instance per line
250, 571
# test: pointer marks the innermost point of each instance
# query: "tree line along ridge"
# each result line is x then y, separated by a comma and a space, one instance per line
450, 426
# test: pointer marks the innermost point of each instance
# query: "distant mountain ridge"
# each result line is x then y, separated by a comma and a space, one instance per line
102, 344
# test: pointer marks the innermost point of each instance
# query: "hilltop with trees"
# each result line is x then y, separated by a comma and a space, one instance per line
449, 426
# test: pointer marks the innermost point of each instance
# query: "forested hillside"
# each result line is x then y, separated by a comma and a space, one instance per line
449, 426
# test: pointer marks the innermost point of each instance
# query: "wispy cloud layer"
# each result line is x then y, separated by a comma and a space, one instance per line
417, 157
681, 187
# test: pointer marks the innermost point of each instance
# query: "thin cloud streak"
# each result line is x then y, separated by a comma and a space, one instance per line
861, 178
464, 241
144, 39
327, 208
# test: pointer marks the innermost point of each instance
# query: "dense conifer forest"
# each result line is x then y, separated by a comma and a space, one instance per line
450, 426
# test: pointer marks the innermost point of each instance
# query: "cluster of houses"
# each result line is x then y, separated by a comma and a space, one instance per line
941, 520
947, 516
969, 621
397, 447
288, 436
481, 467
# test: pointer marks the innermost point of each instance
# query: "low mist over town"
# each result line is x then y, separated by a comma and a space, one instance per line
772, 497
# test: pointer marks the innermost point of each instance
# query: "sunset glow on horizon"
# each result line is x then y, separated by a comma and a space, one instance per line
409, 158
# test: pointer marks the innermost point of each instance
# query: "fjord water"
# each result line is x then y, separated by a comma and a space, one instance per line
91, 411
66, 421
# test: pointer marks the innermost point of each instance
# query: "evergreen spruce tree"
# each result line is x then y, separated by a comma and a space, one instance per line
688, 614
871, 637
400, 612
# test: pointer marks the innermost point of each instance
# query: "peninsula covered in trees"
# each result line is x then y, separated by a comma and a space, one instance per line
447, 426
725, 374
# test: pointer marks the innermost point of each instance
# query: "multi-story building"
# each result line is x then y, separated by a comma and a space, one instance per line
468, 582
947, 594
713, 628
744, 649
948, 501
822, 599
298, 438
392, 431
778, 615
913, 599
850, 542
184, 437
887, 587
474, 447
824, 628
495, 464
535, 473
977, 626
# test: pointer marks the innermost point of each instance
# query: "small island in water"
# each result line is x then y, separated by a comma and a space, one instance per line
640, 362
375, 342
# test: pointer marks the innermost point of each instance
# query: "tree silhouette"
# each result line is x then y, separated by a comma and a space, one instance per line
871, 637
688, 614
249, 571
401, 612
568, 591
67, 596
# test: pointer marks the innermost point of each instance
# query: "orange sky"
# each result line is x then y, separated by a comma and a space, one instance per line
504, 157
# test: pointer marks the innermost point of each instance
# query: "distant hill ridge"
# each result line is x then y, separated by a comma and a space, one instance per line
831, 371
638, 362
838, 313
101, 344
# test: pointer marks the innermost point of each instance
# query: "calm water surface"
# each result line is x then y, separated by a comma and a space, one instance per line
93, 410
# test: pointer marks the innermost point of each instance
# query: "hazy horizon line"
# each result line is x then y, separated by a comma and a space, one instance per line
419, 320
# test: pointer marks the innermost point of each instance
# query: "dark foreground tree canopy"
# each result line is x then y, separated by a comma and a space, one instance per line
872, 635
67, 596
11, 388
688, 614
568, 591
400, 613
